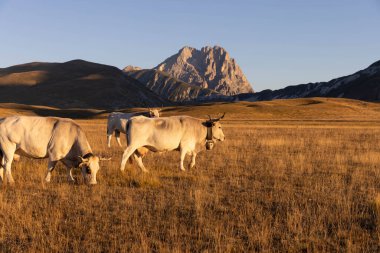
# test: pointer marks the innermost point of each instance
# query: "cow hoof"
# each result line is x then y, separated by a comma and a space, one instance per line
47, 179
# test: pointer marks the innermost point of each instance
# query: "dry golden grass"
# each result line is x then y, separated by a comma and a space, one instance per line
289, 185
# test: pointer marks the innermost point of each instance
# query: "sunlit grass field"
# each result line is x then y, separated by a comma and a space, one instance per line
292, 176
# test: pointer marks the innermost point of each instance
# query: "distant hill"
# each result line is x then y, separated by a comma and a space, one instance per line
171, 88
241, 113
84, 85
74, 84
210, 67
363, 85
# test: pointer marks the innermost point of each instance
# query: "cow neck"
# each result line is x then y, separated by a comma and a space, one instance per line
209, 134
208, 125
83, 145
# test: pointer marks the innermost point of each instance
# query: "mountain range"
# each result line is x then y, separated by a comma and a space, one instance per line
363, 85
210, 67
209, 74
189, 76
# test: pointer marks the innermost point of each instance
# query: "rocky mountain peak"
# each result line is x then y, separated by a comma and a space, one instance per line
186, 50
210, 67
131, 68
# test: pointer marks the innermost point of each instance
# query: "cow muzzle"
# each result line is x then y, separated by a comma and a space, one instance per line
209, 145
91, 179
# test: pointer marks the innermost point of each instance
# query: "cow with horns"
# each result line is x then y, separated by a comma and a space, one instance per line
182, 133
57, 139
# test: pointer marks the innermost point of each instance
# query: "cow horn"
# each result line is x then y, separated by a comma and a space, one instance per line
209, 117
217, 119
83, 160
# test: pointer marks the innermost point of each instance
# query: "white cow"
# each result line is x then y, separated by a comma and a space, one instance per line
183, 133
58, 139
117, 122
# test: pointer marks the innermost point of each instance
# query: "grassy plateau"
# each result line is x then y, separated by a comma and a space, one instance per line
297, 175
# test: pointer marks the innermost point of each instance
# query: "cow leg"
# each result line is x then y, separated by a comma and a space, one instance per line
70, 177
127, 153
51, 166
2, 165
69, 166
8, 171
140, 164
7, 160
109, 137
109, 133
183, 155
193, 156
117, 136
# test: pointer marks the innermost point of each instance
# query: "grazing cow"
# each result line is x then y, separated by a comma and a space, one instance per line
117, 122
183, 133
58, 139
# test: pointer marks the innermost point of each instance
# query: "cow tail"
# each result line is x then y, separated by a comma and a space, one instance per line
127, 131
130, 160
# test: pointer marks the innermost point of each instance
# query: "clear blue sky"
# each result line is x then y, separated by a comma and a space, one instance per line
276, 42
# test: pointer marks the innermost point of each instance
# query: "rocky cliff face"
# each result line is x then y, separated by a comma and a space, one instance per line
210, 67
131, 68
171, 88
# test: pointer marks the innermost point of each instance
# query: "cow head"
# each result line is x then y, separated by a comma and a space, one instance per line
154, 113
89, 164
214, 131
